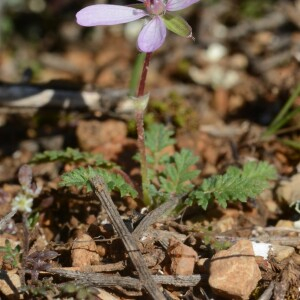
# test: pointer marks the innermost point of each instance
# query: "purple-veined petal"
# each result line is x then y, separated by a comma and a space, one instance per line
173, 5
152, 35
106, 14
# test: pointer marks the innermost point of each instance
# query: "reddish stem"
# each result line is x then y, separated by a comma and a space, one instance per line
141, 89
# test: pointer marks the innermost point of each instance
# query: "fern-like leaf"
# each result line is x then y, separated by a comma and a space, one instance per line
158, 137
235, 184
80, 178
71, 155
177, 176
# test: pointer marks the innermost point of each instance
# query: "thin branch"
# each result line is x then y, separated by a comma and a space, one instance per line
99, 280
150, 259
105, 280
155, 215
267, 294
129, 241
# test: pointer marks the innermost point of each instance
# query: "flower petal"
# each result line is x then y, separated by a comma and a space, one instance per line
173, 5
105, 14
152, 35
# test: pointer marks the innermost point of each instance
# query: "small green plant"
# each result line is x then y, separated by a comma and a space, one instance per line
33, 220
157, 139
11, 254
94, 164
79, 292
80, 178
235, 185
175, 174
210, 240
41, 289
47, 289
71, 155
283, 118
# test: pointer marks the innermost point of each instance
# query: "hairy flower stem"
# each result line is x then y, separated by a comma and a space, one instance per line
139, 116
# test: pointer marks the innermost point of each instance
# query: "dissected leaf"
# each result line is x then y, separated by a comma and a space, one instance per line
235, 184
176, 178
158, 137
167, 173
72, 155
80, 178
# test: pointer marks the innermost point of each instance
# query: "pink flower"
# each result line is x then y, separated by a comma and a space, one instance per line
157, 12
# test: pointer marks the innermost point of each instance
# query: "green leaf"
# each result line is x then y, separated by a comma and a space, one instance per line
80, 178
177, 176
158, 137
235, 185
290, 143
7, 257
200, 198
167, 173
284, 116
116, 182
177, 24
33, 220
71, 155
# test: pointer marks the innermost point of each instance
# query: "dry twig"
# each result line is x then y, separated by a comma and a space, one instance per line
155, 214
105, 280
267, 294
129, 241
